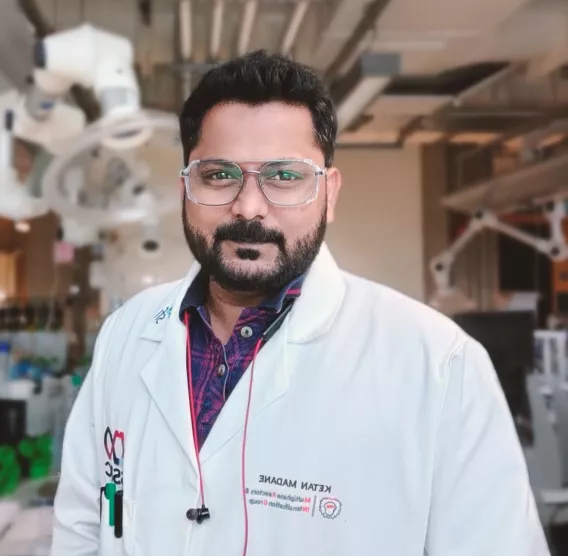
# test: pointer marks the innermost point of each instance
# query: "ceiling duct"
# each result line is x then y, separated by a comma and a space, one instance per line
453, 82
484, 119
518, 188
294, 25
369, 17
425, 108
357, 90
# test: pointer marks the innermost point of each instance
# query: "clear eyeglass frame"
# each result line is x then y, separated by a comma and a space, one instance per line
318, 173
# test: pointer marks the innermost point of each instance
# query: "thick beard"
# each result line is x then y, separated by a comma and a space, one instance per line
291, 262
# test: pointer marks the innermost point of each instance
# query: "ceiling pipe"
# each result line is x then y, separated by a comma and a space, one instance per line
294, 26
247, 25
367, 23
184, 46
216, 29
538, 122
185, 29
359, 88
418, 123
84, 98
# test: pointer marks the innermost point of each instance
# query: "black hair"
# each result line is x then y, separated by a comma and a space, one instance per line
258, 78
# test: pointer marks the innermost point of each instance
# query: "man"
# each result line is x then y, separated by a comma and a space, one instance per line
269, 403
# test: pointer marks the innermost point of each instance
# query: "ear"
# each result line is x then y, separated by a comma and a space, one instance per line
334, 182
182, 188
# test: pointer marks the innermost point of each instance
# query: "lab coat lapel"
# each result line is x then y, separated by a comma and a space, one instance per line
270, 382
312, 315
165, 374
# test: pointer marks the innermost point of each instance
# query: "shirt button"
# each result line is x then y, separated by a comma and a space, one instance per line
246, 331
221, 370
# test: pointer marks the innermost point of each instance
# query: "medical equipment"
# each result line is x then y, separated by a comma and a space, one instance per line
40, 116
556, 247
508, 338
135, 257
135, 202
51, 125
15, 202
97, 59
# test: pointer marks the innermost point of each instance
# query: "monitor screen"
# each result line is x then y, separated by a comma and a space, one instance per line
508, 338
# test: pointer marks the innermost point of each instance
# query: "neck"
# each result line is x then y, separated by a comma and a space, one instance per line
225, 308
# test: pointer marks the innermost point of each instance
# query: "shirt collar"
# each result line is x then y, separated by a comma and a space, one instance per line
197, 294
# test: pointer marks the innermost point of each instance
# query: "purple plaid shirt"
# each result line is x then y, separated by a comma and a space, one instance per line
216, 369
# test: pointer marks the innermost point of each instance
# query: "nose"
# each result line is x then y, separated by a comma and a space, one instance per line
250, 204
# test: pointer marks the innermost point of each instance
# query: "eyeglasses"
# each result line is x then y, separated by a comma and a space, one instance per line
287, 183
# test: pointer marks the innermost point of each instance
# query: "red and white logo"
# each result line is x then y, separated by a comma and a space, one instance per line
330, 508
114, 449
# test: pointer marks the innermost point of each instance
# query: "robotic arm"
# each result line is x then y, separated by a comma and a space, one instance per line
96, 59
40, 117
93, 58
555, 247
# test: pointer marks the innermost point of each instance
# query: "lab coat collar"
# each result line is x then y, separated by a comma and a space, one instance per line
312, 315
165, 374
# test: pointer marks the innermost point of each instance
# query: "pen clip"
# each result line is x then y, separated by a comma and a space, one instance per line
118, 513
110, 495
101, 503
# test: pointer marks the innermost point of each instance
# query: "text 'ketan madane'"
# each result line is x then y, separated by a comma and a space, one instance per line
293, 483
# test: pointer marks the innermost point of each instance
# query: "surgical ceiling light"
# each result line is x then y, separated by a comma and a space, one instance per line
61, 198
294, 26
357, 90
247, 24
100, 60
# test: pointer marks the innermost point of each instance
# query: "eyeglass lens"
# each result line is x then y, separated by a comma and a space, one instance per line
283, 182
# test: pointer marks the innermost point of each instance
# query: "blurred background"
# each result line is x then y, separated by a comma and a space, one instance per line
454, 150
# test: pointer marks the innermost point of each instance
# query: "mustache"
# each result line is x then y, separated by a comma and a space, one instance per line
251, 231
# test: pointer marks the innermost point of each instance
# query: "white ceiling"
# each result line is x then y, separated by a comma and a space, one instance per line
528, 31
432, 36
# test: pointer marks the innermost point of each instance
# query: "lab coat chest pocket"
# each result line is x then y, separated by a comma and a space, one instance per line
111, 519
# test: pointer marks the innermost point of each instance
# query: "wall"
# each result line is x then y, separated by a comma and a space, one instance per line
435, 221
378, 232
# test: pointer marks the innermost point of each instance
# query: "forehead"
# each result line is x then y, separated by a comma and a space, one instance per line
236, 131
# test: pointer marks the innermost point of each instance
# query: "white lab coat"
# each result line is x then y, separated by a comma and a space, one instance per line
377, 428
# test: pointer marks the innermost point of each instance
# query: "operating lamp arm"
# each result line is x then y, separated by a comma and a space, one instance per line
440, 266
547, 247
555, 247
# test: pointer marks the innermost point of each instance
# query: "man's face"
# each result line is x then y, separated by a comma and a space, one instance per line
252, 245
